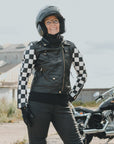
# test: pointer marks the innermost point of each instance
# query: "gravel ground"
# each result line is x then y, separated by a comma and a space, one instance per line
11, 132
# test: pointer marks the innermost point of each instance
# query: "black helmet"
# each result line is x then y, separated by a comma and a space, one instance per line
48, 11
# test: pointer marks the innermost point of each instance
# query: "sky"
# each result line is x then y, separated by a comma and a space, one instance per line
89, 24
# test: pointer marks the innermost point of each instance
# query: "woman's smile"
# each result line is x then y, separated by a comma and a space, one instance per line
52, 24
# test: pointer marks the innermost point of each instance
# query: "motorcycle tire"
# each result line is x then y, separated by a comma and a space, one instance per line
110, 117
86, 138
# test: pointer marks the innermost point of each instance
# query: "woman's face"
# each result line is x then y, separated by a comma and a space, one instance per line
52, 24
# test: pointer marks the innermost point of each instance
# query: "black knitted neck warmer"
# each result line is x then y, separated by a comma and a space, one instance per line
53, 40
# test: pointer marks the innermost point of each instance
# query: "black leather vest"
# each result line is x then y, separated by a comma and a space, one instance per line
52, 67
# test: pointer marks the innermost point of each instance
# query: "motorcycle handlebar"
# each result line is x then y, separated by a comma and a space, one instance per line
112, 89
99, 98
102, 95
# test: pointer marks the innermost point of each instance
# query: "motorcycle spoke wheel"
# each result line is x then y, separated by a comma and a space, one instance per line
110, 117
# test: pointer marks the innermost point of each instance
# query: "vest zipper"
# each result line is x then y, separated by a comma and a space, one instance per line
64, 66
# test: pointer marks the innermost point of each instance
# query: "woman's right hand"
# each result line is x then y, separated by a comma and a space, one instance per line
27, 115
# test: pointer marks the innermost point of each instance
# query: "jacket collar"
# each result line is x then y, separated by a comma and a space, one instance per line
45, 42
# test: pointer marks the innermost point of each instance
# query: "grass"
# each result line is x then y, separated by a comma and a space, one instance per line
24, 141
86, 104
9, 112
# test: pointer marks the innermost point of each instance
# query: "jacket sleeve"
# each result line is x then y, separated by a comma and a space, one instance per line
27, 65
79, 66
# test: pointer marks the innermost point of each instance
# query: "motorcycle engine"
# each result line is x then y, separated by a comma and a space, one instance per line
95, 121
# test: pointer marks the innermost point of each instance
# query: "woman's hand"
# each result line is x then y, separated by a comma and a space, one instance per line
72, 96
27, 115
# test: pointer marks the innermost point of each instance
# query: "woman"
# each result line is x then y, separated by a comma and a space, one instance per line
50, 92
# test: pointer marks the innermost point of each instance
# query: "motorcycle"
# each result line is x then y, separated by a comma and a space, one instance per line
96, 123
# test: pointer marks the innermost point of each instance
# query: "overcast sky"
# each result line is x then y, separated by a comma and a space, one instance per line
89, 24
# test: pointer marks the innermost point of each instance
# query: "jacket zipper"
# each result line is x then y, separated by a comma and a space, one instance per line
64, 66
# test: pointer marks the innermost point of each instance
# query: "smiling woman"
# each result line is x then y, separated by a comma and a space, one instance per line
50, 92
52, 25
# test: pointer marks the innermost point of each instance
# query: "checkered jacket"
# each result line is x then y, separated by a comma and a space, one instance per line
28, 64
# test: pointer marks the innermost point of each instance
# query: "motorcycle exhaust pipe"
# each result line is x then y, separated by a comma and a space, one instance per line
92, 131
110, 133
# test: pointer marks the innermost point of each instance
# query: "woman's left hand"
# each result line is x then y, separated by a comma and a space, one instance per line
72, 96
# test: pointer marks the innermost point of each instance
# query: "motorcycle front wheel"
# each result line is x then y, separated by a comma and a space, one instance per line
110, 117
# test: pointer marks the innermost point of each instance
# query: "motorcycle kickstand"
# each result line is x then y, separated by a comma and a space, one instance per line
109, 139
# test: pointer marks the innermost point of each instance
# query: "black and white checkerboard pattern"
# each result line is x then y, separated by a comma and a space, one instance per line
27, 65
79, 66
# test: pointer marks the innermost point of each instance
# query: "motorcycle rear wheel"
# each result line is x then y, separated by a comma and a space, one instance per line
85, 138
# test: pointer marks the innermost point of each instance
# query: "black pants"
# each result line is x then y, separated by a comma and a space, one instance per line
62, 119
